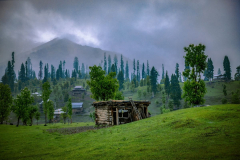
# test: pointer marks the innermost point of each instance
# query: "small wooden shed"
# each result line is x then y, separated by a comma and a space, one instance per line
115, 112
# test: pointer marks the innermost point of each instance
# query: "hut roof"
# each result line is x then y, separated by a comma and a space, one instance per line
96, 103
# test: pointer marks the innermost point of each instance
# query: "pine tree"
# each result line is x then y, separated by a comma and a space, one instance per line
127, 71
153, 79
210, 69
219, 71
186, 68
22, 73
122, 65
29, 68
167, 84
105, 63
120, 80
75, 63
175, 90
53, 74
116, 63
148, 72
83, 70
227, 68
134, 68
138, 71
143, 71
177, 71
109, 63
40, 74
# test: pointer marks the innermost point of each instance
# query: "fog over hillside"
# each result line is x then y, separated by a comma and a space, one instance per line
154, 30
58, 50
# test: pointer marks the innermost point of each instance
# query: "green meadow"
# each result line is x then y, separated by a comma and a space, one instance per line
211, 132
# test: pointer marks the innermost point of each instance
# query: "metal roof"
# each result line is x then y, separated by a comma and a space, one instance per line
78, 87
77, 105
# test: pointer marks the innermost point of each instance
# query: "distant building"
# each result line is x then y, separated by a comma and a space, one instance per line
77, 107
57, 114
37, 94
78, 91
219, 77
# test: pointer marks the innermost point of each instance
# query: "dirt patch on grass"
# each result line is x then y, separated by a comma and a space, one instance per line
73, 130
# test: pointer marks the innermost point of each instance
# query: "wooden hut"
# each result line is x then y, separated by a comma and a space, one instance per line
117, 112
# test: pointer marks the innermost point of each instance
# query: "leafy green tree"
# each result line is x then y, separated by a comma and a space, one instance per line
5, 101
236, 97
153, 79
102, 87
31, 112
224, 90
132, 86
139, 93
69, 108
92, 116
50, 110
37, 116
45, 96
170, 105
237, 74
144, 94
194, 88
227, 68
64, 115
22, 103
119, 96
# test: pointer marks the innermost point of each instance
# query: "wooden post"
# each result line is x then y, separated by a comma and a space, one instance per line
112, 116
146, 112
117, 119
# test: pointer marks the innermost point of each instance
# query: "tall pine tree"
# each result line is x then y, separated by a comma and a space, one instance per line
227, 68
153, 79
127, 71
143, 71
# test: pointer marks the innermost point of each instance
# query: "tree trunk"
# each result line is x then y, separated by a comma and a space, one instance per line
45, 119
18, 122
37, 122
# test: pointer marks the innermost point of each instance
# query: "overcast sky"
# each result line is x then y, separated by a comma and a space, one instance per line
146, 30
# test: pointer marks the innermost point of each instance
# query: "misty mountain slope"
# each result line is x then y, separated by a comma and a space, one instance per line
58, 50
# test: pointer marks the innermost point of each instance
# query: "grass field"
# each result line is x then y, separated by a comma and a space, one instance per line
211, 132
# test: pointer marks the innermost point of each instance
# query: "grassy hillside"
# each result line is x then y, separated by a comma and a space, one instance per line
211, 132
213, 96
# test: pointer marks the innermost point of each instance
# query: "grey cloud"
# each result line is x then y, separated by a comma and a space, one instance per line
146, 30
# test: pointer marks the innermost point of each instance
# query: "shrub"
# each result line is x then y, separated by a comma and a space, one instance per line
224, 101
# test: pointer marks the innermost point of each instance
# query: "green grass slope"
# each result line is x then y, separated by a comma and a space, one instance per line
211, 132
